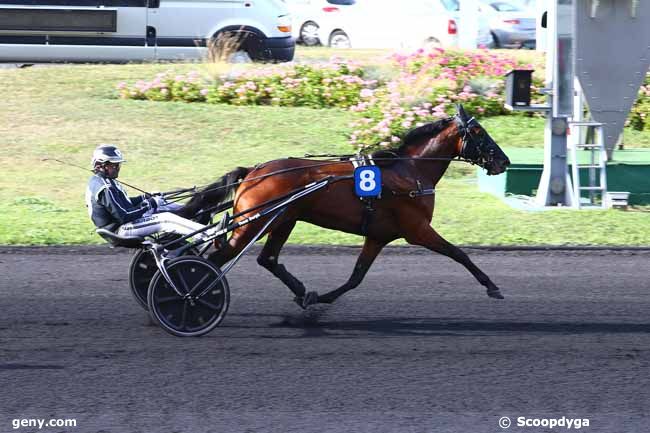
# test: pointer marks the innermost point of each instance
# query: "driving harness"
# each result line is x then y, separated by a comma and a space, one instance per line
383, 160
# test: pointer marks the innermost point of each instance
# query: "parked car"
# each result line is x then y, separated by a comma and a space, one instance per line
136, 30
310, 15
390, 24
526, 4
511, 25
484, 37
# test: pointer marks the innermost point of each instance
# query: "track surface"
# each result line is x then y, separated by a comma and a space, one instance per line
418, 347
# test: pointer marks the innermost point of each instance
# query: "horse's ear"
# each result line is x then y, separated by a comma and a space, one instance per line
461, 113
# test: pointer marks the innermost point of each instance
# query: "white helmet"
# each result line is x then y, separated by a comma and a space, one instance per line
107, 153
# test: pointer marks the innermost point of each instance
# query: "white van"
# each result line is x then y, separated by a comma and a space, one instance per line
137, 30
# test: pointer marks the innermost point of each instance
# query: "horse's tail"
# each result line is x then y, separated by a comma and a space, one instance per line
213, 195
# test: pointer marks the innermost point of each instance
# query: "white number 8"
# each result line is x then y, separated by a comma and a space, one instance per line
367, 180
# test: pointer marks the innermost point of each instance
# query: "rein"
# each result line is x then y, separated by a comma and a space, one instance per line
321, 164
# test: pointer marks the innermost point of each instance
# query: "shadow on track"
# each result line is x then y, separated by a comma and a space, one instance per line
315, 326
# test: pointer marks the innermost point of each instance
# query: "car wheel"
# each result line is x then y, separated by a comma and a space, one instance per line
495, 41
309, 34
431, 44
339, 39
235, 47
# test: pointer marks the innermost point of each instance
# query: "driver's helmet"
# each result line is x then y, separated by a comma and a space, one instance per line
107, 153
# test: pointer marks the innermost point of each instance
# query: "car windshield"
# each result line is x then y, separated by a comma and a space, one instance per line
451, 5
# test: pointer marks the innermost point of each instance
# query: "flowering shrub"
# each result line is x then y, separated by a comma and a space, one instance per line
423, 87
458, 65
427, 88
333, 85
164, 87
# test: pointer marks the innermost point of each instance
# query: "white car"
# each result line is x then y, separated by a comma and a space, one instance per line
403, 24
137, 30
310, 15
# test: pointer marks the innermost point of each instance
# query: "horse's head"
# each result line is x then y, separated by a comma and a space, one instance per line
477, 146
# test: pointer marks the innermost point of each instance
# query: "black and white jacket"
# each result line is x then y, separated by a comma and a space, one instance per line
108, 204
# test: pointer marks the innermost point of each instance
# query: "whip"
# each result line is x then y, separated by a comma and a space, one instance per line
87, 169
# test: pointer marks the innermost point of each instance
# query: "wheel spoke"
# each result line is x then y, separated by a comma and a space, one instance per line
210, 305
201, 281
210, 287
183, 282
168, 299
183, 317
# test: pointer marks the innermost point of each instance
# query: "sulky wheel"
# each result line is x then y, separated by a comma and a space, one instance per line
203, 303
141, 271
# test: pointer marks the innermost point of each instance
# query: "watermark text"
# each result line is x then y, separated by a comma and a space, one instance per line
551, 423
41, 423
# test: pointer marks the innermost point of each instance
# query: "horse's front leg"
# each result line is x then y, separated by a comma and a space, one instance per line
371, 248
268, 259
427, 237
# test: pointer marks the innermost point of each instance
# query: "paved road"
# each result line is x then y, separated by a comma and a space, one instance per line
418, 347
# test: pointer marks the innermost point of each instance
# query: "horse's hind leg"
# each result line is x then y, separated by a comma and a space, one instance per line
371, 248
268, 258
429, 238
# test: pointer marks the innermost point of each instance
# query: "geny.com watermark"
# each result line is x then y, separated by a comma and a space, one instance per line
42, 423
564, 422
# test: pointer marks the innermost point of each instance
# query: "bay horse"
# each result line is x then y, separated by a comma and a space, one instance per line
417, 165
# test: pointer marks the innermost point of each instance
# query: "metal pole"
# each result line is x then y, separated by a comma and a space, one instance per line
555, 187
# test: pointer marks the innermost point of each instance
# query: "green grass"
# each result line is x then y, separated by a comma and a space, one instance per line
65, 111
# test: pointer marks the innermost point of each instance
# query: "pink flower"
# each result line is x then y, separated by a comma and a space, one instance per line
204, 92
366, 93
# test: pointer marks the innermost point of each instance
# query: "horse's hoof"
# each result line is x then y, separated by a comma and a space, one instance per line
311, 298
495, 294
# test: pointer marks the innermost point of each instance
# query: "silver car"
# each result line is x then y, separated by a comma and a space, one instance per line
511, 25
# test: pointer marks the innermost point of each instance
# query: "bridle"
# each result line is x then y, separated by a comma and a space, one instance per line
476, 148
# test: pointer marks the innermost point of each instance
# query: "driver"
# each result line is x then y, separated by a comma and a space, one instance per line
111, 208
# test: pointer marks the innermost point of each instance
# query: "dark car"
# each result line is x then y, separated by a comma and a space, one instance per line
511, 25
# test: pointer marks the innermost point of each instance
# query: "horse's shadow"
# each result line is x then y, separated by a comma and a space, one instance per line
315, 324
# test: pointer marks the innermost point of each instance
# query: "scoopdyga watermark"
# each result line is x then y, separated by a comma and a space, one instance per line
551, 423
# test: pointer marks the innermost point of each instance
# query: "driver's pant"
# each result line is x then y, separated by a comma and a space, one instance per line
165, 222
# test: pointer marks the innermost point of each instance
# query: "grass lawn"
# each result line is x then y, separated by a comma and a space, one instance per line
65, 111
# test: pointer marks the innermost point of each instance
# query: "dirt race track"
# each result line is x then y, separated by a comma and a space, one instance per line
418, 347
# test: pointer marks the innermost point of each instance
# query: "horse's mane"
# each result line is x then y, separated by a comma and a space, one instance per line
429, 130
